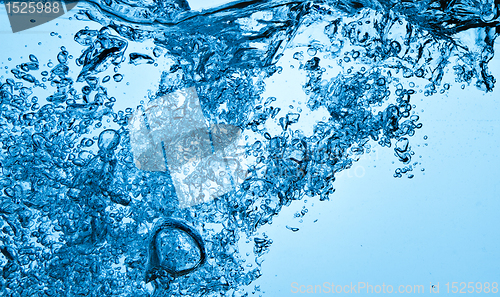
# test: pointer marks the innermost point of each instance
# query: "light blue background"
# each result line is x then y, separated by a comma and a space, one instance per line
441, 226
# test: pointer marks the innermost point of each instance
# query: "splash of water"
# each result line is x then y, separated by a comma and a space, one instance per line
79, 217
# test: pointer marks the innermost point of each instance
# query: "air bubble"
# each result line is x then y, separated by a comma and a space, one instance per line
118, 77
312, 51
108, 140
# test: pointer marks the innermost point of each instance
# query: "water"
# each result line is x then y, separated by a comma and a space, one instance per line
80, 218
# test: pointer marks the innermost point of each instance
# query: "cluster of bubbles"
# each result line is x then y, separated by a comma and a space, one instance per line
78, 218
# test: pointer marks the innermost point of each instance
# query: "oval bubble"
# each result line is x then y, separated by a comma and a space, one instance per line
108, 139
175, 248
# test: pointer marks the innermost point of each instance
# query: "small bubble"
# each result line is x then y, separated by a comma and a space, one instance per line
157, 52
33, 58
312, 51
87, 142
298, 56
118, 77
108, 140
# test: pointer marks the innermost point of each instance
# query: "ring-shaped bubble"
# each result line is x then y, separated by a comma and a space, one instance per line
155, 268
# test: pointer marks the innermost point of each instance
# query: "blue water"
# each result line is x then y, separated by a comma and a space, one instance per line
79, 217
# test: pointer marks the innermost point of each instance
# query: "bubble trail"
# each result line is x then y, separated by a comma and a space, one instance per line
79, 218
